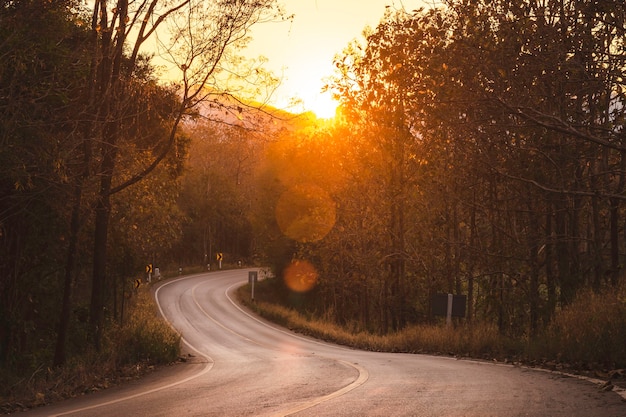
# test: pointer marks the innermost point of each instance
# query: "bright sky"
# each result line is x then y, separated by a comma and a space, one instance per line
303, 51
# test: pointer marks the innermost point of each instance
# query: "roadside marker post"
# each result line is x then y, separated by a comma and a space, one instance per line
252, 278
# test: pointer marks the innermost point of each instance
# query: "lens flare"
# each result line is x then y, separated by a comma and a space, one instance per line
300, 276
305, 213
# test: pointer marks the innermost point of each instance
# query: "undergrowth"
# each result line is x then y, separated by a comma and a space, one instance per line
129, 350
477, 341
591, 330
589, 334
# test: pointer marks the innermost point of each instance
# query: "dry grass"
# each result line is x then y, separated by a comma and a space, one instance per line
592, 330
477, 341
588, 335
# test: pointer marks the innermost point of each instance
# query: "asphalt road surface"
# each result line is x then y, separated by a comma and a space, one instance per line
245, 366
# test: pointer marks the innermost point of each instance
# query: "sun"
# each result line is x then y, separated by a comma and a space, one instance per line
317, 102
322, 105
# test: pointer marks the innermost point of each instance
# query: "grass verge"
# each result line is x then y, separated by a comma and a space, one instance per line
479, 341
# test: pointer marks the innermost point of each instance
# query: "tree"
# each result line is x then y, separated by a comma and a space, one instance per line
514, 112
383, 85
42, 71
217, 194
557, 85
203, 37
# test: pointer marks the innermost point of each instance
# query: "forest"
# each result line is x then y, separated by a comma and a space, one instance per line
478, 149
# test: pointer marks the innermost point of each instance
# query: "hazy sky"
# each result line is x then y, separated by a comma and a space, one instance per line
303, 51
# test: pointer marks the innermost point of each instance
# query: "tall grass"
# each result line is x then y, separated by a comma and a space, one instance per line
475, 341
590, 333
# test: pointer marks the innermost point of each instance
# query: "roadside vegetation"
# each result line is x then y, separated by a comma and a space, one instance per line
132, 347
579, 339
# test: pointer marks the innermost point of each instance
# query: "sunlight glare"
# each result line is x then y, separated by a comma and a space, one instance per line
300, 276
322, 105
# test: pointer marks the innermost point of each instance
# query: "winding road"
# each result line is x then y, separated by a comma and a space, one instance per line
241, 365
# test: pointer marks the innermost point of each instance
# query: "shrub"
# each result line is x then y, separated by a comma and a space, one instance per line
143, 340
591, 330
145, 337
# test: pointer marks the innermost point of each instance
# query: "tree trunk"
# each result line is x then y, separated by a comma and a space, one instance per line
533, 246
563, 256
615, 220
98, 282
70, 265
549, 260
471, 262
101, 232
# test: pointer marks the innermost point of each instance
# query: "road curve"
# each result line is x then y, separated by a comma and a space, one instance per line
244, 366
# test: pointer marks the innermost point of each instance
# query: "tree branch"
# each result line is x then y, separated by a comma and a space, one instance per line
556, 124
